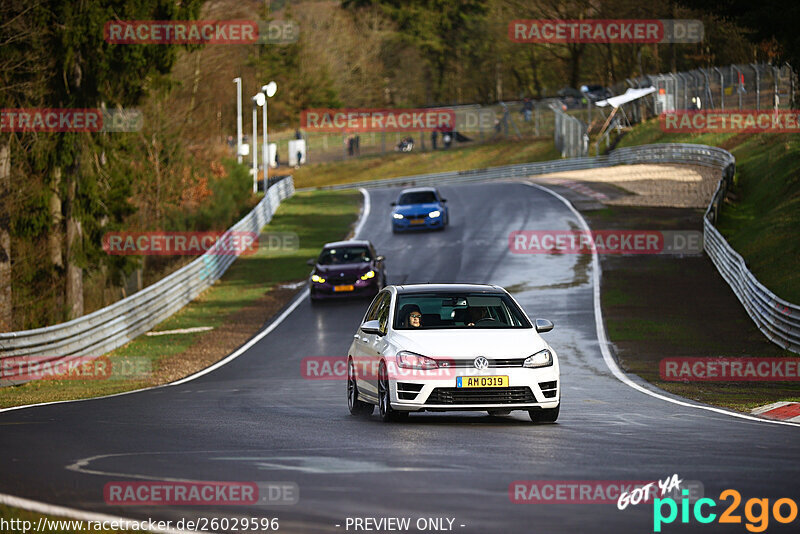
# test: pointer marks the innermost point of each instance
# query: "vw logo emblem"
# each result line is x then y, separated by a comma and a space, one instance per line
481, 363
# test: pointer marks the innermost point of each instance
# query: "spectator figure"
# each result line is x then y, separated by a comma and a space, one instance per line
434, 137
447, 138
527, 109
299, 159
358, 145
297, 134
351, 143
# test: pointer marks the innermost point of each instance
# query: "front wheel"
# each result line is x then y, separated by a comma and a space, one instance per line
356, 406
385, 409
548, 415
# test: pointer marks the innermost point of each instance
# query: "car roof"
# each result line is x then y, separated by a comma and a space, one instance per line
427, 288
417, 189
352, 242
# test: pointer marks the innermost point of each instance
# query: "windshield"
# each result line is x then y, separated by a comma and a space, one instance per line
343, 255
458, 310
417, 197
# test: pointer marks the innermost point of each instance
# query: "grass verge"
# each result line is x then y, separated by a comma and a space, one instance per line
679, 306
478, 156
236, 306
761, 215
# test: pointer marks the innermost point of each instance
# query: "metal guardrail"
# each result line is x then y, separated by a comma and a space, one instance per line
666, 153
778, 319
111, 327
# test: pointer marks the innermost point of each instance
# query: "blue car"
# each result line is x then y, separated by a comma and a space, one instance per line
420, 208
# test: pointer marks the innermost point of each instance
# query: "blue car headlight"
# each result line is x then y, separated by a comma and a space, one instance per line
434, 214
397, 215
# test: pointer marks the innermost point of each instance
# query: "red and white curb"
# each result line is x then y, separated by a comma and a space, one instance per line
783, 411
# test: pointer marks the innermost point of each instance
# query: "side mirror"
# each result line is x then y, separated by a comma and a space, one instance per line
380, 258
394, 204
444, 200
371, 327
543, 325
311, 262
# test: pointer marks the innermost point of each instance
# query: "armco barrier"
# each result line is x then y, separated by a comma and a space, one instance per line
111, 327
778, 319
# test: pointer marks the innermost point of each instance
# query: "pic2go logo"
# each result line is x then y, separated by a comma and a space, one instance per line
757, 522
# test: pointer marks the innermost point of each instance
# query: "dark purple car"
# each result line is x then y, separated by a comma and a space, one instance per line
347, 268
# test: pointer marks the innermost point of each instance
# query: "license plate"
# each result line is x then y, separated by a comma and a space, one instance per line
417, 221
481, 381
343, 288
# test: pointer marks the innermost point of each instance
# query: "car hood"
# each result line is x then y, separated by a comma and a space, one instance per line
417, 208
348, 268
468, 342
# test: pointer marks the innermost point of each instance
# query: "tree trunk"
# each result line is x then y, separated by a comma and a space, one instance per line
6, 305
74, 292
55, 239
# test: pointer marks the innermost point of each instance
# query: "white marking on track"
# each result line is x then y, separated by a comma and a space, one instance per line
191, 330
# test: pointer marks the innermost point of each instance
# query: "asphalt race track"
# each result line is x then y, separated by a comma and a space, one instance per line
258, 419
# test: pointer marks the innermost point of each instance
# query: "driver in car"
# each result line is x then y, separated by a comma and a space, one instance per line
475, 314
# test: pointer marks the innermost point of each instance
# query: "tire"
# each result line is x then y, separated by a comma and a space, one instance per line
385, 410
357, 407
495, 413
548, 415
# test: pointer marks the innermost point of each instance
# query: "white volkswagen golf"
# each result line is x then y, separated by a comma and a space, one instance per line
444, 347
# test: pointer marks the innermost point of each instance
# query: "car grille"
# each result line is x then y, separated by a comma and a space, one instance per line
511, 395
408, 391
549, 389
493, 364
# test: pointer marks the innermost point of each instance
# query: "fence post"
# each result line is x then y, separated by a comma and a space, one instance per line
775, 98
721, 88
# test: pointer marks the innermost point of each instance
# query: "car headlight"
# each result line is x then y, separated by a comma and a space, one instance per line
317, 278
434, 214
367, 275
409, 360
397, 215
543, 358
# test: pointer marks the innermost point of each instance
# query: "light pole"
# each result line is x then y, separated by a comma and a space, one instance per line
238, 82
258, 100
268, 91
